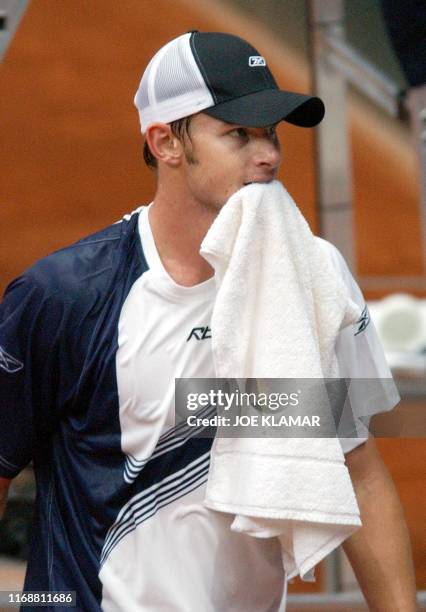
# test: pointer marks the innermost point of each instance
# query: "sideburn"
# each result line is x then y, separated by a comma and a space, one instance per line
189, 156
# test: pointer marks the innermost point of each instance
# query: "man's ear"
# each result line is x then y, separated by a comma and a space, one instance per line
164, 145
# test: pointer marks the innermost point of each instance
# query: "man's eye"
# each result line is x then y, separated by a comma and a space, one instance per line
240, 132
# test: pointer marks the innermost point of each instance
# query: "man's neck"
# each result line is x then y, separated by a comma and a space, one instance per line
178, 229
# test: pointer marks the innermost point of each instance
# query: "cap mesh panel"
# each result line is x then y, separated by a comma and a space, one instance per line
142, 99
172, 85
175, 74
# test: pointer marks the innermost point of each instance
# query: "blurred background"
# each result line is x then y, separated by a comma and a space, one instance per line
72, 163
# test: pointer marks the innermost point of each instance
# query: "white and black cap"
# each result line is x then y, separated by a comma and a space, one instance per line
222, 75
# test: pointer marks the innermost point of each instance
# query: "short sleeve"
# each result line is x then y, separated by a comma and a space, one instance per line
29, 327
362, 362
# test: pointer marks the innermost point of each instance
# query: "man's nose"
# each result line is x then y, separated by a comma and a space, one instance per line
267, 153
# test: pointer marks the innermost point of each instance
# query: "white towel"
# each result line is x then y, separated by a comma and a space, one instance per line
277, 313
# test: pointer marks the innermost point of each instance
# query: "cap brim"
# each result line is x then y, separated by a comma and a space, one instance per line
270, 106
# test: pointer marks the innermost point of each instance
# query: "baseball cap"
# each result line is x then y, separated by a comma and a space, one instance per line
223, 76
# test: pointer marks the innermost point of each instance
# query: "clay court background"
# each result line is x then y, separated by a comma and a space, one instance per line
72, 163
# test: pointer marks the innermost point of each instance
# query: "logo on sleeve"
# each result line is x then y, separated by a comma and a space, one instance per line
200, 333
363, 321
256, 60
9, 363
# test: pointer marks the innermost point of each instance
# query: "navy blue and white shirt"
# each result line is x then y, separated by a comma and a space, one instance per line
91, 340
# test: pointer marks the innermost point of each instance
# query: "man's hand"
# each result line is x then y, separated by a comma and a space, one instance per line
380, 552
4, 488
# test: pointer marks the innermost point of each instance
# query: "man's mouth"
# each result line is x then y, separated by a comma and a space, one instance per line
264, 180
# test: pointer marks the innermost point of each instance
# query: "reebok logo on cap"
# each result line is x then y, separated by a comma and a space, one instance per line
256, 60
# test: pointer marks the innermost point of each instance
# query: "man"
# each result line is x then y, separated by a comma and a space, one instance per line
94, 335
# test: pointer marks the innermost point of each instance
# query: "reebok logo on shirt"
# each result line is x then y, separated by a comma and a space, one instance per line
200, 333
363, 321
9, 363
